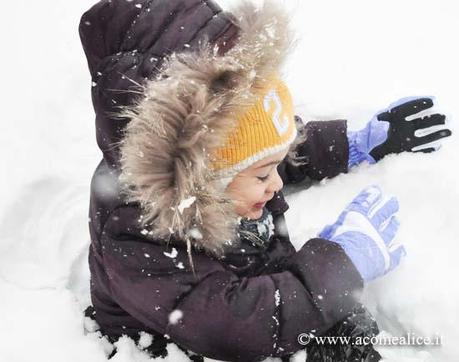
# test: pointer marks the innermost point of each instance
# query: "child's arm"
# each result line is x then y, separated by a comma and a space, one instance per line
323, 153
330, 148
219, 315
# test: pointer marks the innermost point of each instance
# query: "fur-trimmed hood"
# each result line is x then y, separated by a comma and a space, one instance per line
183, 114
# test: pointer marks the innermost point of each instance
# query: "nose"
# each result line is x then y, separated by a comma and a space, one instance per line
276, 183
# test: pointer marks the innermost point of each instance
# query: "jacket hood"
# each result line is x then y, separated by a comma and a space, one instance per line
183, 114
125, 43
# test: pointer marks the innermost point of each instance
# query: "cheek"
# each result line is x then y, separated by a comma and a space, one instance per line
254, 193
246, 193
245, 197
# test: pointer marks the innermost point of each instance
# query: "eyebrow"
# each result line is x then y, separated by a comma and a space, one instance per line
269, 164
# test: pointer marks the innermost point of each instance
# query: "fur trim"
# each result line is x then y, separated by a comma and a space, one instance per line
187, 111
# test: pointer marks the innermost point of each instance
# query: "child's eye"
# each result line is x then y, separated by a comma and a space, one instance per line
263, 178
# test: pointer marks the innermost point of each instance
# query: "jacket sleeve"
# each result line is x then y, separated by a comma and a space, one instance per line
325, 152
219, 315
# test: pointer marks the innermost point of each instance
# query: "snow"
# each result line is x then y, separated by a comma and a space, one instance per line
172, 254
195, 233
145, 340
277, 297
266, 226
352, 59
175, 316
186, 203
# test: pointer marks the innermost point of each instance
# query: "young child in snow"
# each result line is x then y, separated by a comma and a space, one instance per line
189, 242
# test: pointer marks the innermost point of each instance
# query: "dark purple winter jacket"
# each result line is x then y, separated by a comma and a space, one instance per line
254, 302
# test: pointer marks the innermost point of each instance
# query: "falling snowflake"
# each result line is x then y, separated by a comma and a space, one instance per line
172, 254
195, 234
175, 316
184, 204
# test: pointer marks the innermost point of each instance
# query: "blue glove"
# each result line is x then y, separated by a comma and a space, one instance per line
365, 230
390, 132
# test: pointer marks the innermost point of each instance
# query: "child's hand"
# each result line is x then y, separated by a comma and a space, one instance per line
365, 230
390, 132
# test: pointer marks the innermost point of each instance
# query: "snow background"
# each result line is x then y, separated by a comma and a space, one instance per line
353, 58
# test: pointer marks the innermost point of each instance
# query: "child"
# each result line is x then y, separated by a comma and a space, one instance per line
189, 242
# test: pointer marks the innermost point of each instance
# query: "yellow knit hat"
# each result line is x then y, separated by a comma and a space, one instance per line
264, 129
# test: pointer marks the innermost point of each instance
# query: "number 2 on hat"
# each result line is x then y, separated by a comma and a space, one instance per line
281, 124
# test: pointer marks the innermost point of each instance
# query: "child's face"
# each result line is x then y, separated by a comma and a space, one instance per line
256, 185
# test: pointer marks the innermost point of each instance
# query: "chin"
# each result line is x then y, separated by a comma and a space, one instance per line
254, 214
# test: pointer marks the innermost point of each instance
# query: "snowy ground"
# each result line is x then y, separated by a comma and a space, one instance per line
353, 58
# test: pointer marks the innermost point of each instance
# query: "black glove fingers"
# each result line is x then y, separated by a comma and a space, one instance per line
432, 137
402, 134
385, 116
412, 107
429, 121
426, 150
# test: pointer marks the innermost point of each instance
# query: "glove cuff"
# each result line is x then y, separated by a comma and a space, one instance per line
356, 154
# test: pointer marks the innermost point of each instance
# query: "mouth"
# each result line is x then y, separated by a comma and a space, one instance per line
260, 205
